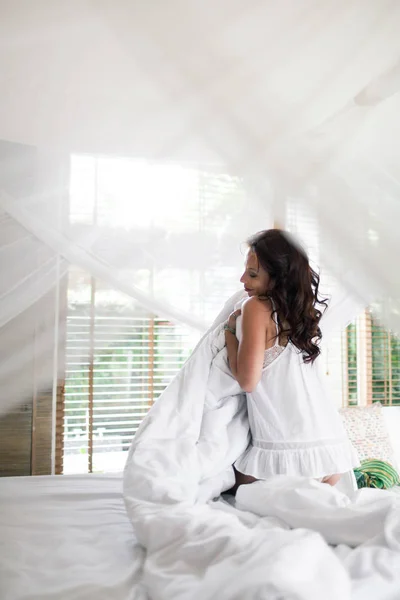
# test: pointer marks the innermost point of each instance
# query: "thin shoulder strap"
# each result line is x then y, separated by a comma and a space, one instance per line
275, 319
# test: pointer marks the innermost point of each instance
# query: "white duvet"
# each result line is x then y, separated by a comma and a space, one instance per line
287, 538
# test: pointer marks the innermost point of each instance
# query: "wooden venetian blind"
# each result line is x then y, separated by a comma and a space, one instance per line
384, 358
117, 362
371, 363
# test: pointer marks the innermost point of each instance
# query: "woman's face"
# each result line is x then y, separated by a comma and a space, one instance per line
254, 278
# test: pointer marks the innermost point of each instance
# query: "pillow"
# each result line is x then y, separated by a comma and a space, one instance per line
391, 417
376, 474
366, 429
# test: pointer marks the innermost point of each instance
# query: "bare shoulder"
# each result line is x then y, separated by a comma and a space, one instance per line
254, 307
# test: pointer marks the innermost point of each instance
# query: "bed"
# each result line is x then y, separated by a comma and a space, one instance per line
67, 538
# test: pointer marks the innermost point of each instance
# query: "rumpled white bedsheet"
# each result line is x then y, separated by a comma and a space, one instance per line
287, 538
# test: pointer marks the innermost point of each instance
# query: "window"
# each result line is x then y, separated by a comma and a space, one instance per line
382, 360
362, 362
118, 359
119, 356
140, 217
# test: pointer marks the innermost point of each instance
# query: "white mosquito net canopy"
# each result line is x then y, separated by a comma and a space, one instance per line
119, 120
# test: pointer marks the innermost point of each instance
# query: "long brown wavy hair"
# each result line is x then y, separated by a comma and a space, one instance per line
294, 289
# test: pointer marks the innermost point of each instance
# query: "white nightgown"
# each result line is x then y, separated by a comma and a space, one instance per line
295, 427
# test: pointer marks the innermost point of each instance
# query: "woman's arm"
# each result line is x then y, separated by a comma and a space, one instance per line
246, 359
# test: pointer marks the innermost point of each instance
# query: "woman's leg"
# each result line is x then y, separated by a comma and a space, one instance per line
240, 479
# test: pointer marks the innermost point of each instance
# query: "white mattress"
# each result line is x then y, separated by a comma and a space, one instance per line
67, 538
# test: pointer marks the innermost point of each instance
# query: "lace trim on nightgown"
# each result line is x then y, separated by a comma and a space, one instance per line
276, 350
271, 354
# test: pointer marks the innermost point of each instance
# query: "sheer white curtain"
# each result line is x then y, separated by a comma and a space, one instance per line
166, 236
290, 101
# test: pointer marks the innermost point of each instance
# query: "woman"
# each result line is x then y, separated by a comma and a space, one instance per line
272, 343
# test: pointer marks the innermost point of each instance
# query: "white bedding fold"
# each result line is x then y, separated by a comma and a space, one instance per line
301, 502
187, 443
277, 541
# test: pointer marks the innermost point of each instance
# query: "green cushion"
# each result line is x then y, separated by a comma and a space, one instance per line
376, 474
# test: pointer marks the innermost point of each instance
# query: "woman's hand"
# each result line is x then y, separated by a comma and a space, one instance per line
232, 318
231, 340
